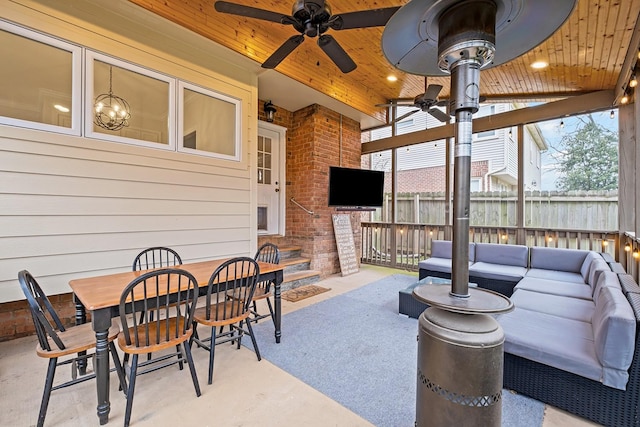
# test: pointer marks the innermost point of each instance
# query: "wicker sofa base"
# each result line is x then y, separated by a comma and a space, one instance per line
578, 395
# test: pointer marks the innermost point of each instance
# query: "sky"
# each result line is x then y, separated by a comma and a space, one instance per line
553, 133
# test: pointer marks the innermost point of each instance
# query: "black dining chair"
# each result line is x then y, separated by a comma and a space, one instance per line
270, 253
62, 345
156, 257
172, 294
239, 277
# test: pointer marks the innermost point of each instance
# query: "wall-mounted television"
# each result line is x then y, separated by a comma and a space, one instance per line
355, 188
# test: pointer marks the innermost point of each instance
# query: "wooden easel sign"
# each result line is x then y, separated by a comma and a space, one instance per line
344, 242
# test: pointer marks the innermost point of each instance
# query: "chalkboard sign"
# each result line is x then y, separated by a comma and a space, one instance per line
344, 241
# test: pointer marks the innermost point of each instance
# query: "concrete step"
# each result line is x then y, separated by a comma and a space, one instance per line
295, 264
288, 252
299, 278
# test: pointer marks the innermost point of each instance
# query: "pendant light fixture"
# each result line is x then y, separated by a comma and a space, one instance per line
111, 112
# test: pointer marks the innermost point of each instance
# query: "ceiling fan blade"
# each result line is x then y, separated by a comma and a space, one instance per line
432, 92
439, 114
362, 19
337, 54
404, 116
397, 104
251, 12
285, 49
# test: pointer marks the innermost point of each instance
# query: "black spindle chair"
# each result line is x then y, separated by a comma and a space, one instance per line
172, 294
61, 345
237, 276
156, 257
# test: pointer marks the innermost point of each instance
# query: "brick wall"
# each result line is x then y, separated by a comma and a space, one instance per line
432, 179
16, 321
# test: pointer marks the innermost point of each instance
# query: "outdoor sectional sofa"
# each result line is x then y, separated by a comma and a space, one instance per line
572, 339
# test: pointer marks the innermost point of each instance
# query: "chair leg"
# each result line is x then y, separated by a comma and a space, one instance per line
192, 368
116, 361
132, 386
48, 384
212, 350
253, 340
179, 354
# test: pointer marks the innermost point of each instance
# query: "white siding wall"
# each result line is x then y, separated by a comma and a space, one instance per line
76, 207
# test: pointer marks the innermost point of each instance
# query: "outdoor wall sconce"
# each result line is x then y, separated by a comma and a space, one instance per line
269, 111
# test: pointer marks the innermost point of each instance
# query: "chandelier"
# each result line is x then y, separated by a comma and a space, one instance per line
111, 111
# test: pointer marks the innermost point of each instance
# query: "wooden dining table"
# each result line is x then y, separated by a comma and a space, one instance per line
100, 295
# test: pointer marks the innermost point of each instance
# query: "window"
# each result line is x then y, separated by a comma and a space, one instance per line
483, 111
149, 95
39, 81
210, 123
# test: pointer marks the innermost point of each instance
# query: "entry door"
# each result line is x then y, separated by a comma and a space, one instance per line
270, 176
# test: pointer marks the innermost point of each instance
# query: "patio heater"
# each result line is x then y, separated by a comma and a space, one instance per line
460, 349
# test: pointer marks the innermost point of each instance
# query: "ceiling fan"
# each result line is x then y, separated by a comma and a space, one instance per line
426, 102
313, 18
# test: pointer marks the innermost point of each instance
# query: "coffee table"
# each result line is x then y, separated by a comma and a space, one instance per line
410, 306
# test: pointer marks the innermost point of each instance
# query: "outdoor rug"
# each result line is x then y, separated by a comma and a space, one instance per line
297, 294
356, 349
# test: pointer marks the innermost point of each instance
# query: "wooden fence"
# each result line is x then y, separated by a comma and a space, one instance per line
593, 210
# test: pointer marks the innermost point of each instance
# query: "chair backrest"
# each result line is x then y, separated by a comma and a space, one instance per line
238, 277
268, 253
156, 257
171, 294
41, 312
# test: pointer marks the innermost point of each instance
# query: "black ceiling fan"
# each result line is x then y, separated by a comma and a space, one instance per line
426, 102
313, 18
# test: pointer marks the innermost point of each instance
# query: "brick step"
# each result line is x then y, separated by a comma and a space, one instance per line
299, 278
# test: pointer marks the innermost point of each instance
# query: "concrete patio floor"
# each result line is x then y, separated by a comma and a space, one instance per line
244, 392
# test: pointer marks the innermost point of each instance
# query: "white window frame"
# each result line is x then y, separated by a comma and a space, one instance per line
76, 82
90, 56
237, 129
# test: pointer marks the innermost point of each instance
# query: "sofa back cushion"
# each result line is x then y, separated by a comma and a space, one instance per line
605, 279
444, 249
493, 253
570, 260
614, 329
586, 264
596, 267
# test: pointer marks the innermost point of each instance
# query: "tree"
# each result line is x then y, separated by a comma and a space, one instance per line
589, 158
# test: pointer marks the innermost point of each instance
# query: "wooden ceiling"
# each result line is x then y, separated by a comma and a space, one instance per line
588, 53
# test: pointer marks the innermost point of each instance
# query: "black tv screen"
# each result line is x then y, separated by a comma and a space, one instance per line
355, 187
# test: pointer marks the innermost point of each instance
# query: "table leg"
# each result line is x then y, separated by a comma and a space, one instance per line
81, 317
277, 302
101, 321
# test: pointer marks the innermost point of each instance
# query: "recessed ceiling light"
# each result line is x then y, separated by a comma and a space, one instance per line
61, 108
539, 65
392, 78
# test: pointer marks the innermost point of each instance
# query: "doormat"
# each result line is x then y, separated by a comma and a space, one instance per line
297, 294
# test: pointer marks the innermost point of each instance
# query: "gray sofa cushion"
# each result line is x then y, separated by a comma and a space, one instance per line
614, 331
586, 264
565, 344
510, 273
570, 260
556, 287
444, 248
561, 276
442, 265
493, 253
605, 279
557, 305
595, 268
